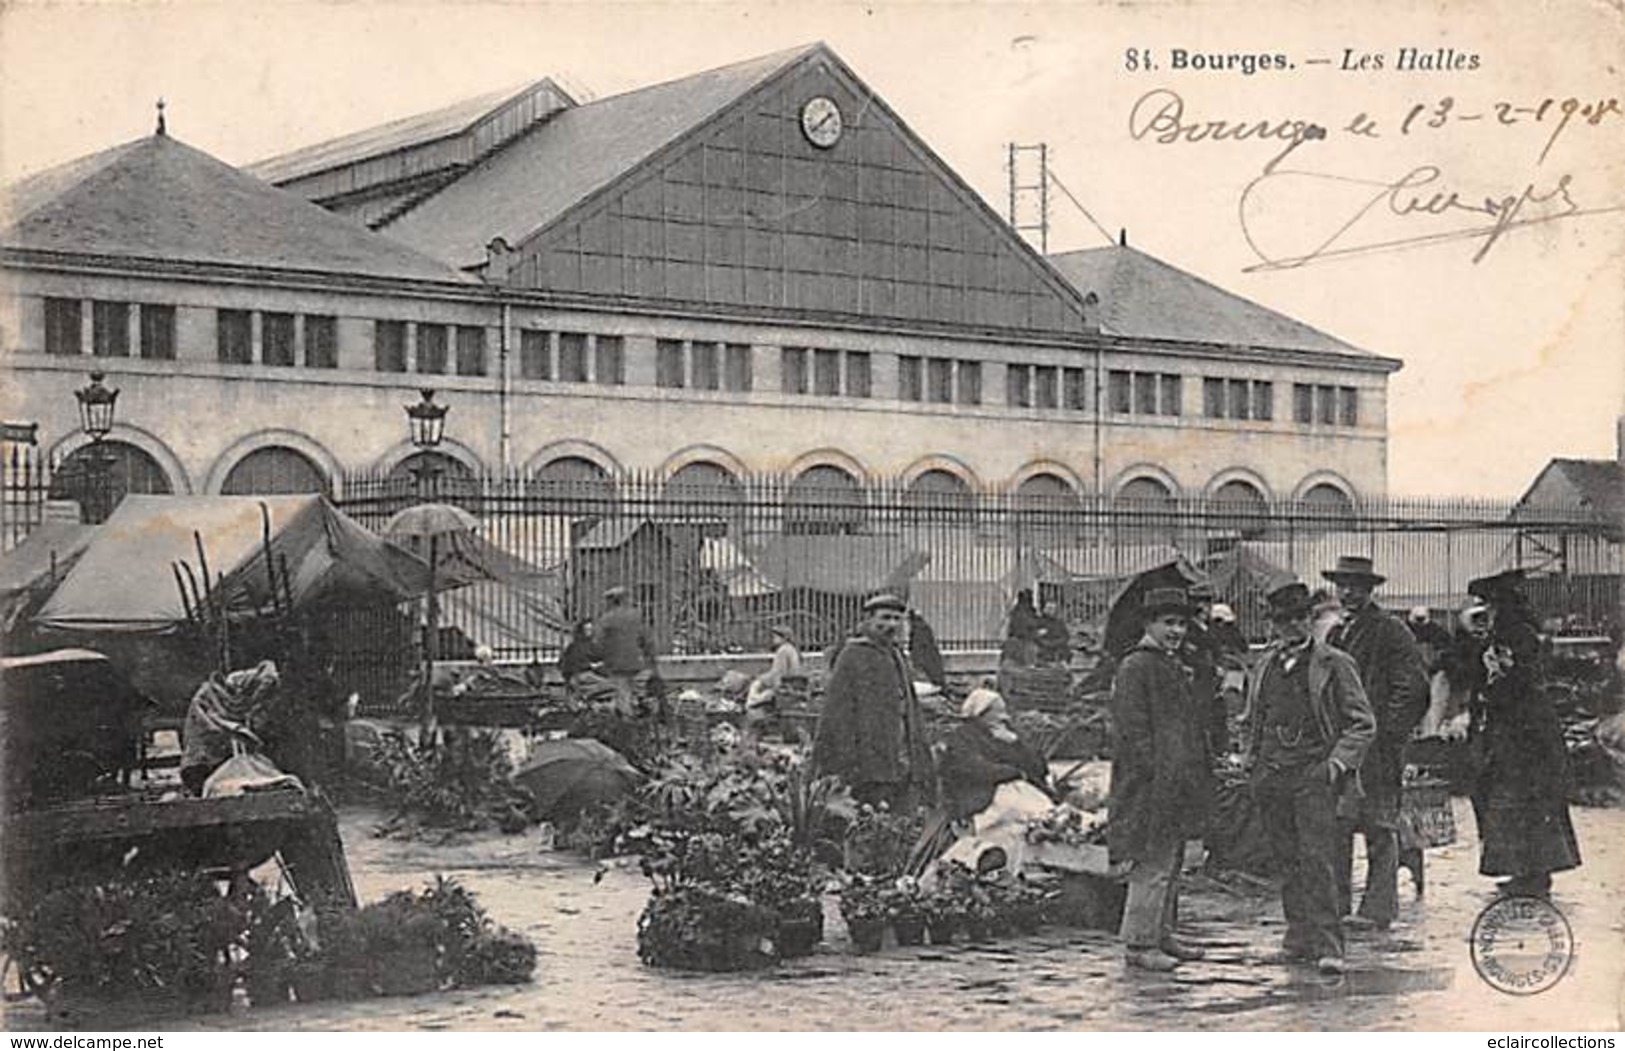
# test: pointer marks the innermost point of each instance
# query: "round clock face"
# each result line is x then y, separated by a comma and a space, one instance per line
821, 122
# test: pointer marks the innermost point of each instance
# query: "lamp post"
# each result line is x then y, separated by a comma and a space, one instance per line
426, 423
97, 406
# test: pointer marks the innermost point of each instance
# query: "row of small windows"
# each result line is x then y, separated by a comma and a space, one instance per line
577, 357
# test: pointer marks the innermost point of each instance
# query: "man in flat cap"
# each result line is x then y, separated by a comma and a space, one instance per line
1160, 780
1309, 726
871, 732
625, 647
1395, 681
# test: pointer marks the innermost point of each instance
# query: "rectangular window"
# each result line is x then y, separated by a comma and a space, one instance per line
470, 350
432, 348
1145, 393
276, 339
157, 332
793, 370
909, 385
939, 376
64, 333
389, 346
1173, 394
669, 363
234, 336
110, 329
857, 374
1326, 405
1119, 390
1213, 399
1240, 400
827, 372
1303, 403
535, 355
321, 342
970, 382
1018, 386
1263, 400
1075, 389
609, 360
703, 366
573, 357
1046, 387
736, 372
1348, 413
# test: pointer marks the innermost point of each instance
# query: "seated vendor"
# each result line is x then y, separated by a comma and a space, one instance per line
784, 673
239, 707
982, 753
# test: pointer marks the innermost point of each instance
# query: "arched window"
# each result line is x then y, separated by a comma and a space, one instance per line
704, 483
579, 486
1145, 510
1327, 501
275, 469
430, 475
1240, 508
99, 486
1045, 506
824, 499
940, 494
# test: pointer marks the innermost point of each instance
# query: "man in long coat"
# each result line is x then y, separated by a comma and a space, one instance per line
1395, 682
871, 732
1160, 780
1309, 726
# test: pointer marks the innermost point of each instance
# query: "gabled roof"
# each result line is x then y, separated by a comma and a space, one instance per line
159, 199
383, 138
541, 175
1599, 484
1142, 297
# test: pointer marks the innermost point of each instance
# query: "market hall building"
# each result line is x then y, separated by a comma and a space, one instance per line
756, 269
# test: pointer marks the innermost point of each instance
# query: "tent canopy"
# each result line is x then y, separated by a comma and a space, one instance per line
125, 580
838, 564
31, 569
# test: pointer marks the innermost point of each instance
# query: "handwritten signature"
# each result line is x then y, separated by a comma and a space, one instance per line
1420, 194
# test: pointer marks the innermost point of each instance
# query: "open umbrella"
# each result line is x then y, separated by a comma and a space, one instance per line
565, 777
441, 535
1124, 623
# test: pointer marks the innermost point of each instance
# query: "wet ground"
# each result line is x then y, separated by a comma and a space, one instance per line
1417, 976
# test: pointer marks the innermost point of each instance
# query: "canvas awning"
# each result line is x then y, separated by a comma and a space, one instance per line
32, 569
125, 580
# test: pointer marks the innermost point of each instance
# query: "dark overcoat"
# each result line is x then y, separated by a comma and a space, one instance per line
975, 763
1338, 703
1520, 795
871, 730
1161, 783
1396, 687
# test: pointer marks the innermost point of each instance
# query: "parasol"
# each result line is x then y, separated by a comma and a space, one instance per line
1123, 622
565, 777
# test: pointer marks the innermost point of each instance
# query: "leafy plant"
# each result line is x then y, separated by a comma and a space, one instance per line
464, 783
704, 929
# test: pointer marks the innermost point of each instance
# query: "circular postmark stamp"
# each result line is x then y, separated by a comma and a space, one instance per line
1521, 946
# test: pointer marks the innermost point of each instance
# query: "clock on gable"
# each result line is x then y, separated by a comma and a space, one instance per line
821, 121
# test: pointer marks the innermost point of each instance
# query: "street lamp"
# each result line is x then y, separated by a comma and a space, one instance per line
97, 406
426, 423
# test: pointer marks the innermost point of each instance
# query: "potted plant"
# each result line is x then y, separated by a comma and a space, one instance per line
907, 907
866, 911
800, 926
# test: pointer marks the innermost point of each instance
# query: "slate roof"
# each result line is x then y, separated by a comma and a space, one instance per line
1600, 484
383, 138
541, 175
1143, 297
158, 198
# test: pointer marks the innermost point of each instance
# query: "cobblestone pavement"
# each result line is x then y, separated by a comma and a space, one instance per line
1418, 976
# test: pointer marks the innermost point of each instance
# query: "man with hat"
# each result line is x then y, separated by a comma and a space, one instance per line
1204, 654
871, 731
1159, 782
1309, 726
625, 647
1395, 681
1519, 795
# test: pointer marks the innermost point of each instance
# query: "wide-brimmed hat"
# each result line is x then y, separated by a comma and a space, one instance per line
1290, 601
782, 631
1165, 600
978, 701
1495, 585
885, 601
1353, 568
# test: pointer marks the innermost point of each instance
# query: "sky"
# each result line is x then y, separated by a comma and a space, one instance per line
1514, 347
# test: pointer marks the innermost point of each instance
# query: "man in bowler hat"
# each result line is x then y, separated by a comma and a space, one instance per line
1160, 780
871, 731
1395, 681
1309, 726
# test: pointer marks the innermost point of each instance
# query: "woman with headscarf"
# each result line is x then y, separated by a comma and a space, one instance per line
1520, 794
984, 752
235, 707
